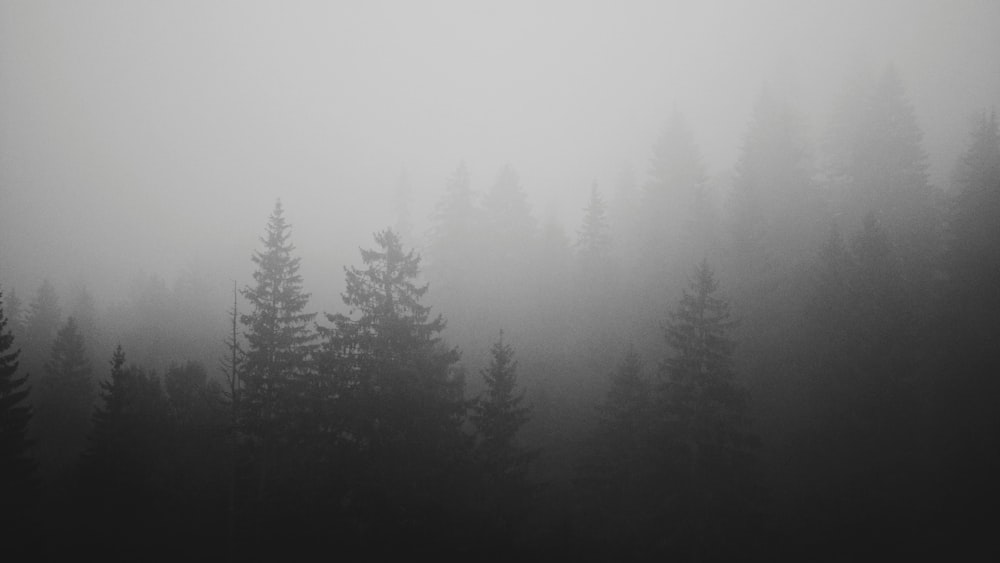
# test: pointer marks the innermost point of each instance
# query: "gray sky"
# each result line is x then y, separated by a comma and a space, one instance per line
147, 135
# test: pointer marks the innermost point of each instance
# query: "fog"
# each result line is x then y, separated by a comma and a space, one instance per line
717, 279
149, 136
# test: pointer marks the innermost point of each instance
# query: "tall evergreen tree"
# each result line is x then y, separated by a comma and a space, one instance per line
975, 229
279, 336
670, 199
64, 402
17, 467
279, 387
397, 394
879, 166
42, 322
498, 417
706, 420
594, 237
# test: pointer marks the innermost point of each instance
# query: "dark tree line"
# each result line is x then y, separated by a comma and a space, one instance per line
800, 368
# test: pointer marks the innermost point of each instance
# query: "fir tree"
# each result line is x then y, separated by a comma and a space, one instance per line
975, 229
396, 396
42, 322
17, 485
279, 337
705, 419
500, 415
594, 237
65, 400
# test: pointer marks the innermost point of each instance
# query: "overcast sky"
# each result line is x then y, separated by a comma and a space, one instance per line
153, 135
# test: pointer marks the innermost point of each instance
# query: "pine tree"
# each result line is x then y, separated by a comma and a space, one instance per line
975, 229
620, 474
127, 451
397, 396
500, 415
705, 418
126, 423
775, 203
17, 485
279, 337
669, 199
594, 237
65, 400
279, 383
879, 165
454, 250
42, 322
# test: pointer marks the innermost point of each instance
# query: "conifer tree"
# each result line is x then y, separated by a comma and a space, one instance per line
670, 199
594, 237
498, 417
65, 400
621, 474
975, 229
126, 424
500, 414
17, 467
42, 322
279, 387
395, 392
705, 418
279, 337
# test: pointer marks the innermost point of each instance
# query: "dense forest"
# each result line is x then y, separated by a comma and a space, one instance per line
802, 366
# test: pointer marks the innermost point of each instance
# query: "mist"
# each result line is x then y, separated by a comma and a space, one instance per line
564, 172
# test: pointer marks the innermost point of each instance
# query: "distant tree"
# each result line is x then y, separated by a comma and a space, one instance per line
706, 421
878, 165
975, 247
84, 312
675, 181
455, 248
15, 314
775, 204
594, 236
403, 200
42, 322
64, 402
17, 484
508, 214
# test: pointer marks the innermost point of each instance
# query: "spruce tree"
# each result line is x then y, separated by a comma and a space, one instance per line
975, 229
397, 396
594, 237
278, 333
65, 399
498, 417
279, 387
17, 467
707, 438
42, 322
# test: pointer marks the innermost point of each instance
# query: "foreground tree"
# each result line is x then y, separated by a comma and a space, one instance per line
17, 486
396, 394
276, 371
